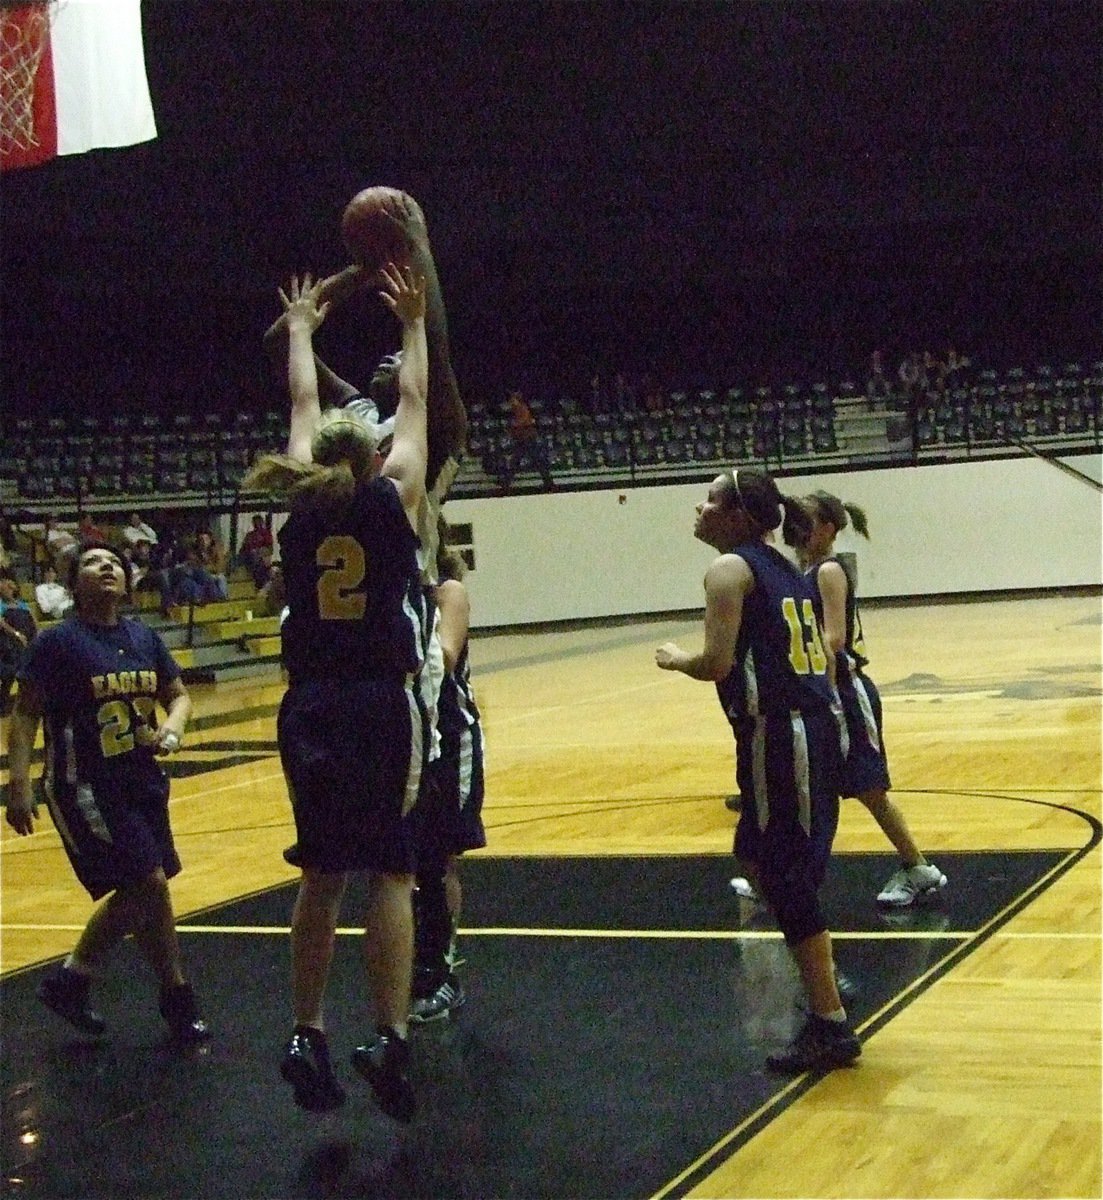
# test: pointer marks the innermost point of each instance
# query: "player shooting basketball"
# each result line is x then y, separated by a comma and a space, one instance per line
446, 414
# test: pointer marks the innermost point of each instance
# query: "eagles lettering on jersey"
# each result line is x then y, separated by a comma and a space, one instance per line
124, 683
100, 685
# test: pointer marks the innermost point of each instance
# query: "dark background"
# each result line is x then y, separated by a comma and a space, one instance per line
715, 193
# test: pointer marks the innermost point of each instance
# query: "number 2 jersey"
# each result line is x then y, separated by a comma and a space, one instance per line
99, 685
353, 587
780, 664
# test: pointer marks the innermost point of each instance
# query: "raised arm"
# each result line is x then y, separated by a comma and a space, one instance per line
304, 312
447, 417
332, 290
404, 294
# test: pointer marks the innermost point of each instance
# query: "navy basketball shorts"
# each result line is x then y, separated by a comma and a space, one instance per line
865, 768
114, 839
450, 810
787, 769
353, 752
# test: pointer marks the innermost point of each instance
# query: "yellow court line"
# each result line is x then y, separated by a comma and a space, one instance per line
706, 935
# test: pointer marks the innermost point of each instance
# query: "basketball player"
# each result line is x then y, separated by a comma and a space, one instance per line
865, 771
446, 420
355, 631
96, 680
763, 650
450, 810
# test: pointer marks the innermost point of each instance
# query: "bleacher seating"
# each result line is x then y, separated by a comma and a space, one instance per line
199, 459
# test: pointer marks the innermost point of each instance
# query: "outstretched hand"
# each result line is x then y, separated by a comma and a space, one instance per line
302, 302
405, 214
667, 656
403, 293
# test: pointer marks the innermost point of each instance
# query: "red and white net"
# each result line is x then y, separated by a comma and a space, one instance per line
24, 29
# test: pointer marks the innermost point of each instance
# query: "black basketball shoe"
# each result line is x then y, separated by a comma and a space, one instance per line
306, 1066
179, 1008
385, 1064
65, 992
821, 1045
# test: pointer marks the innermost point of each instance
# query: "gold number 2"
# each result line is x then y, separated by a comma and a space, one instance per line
343, 568
117, 730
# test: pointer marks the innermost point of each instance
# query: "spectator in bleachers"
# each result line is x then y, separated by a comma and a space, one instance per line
256, 551
176, 575
909, 373
527, 447
7, 543
654, 399
61, 544
136, 530
17, 631
877, 385
955, 370
624, 395
211, 556
52, 597
88, 530
930, 373
187, 580
143, 572
273, 596
163, 552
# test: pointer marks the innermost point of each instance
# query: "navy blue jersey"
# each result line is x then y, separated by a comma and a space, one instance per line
99, 685
866, 766
457, 712
780, 664
855, 648
353, 588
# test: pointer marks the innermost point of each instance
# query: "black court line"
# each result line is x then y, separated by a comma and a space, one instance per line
581, 1066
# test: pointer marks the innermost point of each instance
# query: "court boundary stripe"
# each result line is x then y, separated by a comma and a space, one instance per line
689, 935
734, 1141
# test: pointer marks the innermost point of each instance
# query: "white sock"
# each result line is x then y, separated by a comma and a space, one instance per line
839, 1016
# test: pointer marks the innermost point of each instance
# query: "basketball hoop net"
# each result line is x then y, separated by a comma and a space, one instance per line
23, 31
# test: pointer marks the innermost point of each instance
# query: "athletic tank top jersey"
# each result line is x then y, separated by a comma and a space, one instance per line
780, 663
355, 600
457, 711
855, 649
100, 683
431, 501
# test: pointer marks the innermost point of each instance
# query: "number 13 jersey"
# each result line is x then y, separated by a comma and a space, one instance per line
780, 664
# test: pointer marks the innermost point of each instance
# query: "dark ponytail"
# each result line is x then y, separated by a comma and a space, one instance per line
797, 524
831, 509
768, 508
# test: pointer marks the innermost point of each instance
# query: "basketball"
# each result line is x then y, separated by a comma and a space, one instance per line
372, 227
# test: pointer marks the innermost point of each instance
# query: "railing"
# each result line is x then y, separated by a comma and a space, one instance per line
786, 430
